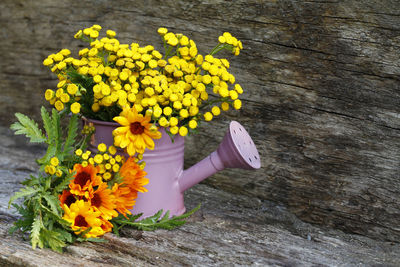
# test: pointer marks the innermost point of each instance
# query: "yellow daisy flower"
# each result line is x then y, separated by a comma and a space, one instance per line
81, 215
134, 134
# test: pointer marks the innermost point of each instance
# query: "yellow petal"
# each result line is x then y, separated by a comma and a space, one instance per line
149, 142
131, 149
122, 120
117, 140
124, 143
120, 130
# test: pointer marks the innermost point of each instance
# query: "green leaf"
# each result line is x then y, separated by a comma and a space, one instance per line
48, 125
35, 232
52, 239
154, 222
51, 152
29, 128
25, 222
63, 184
23, 192
72, 133
64, 235
53, 203
57, 129
56, 218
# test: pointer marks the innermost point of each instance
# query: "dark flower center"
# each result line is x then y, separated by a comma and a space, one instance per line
136, 128
96, 200
80, 221
82, 178
69, 200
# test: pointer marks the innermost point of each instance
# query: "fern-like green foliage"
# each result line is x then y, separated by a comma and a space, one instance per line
41, 213
37, 226
24, 192
28, 127
157, 221
72, 134
40, 210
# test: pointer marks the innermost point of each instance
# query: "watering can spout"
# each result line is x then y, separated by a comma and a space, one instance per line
237, 150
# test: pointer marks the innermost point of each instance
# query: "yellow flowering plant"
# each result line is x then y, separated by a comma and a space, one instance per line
143, 89
78, 195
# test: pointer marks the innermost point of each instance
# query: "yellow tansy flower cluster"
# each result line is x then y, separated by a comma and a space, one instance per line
107, 160
176, 90
235, 44
53, 167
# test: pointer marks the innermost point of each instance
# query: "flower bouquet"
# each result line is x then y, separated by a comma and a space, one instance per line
79, 193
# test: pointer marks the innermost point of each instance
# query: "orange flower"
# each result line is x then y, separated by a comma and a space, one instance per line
134, 134
106, 226
85, 179
104, 201
133, 176
125, 198
81, 215
67, 198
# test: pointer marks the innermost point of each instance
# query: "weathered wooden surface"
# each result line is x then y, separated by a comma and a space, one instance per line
322, 92
229, 230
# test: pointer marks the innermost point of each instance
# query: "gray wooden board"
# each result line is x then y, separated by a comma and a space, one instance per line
229, 229
321, 99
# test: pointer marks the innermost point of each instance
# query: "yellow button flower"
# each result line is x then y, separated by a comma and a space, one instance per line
184, 113
183, 131
192, 124
75, 107
65, 98
98, 159
59, 105
72, 89
173, 121
162, 31
173, 41
115, 168
58, 57
110, 33
112, 150
107, 176
163, 122
238, 88
225, 106
174, 130
54, 161
208, 116
48, 62
237, 104
78, 35
167, 111
95, 107
51, 169
49, 94
215, 111
102, 147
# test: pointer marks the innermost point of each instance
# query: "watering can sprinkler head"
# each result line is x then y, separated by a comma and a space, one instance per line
237, 150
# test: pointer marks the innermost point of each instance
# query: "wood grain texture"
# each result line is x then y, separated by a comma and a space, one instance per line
321, 99
229, 230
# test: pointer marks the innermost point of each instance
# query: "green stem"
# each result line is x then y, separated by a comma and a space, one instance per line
167, 52
215, 48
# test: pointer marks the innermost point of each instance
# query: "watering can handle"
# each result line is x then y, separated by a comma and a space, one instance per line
237, 150
203, 169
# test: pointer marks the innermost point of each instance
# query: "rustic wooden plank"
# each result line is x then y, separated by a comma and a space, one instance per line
321, 97
229, 229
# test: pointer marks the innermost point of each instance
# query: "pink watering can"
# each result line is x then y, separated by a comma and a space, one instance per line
164, 166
